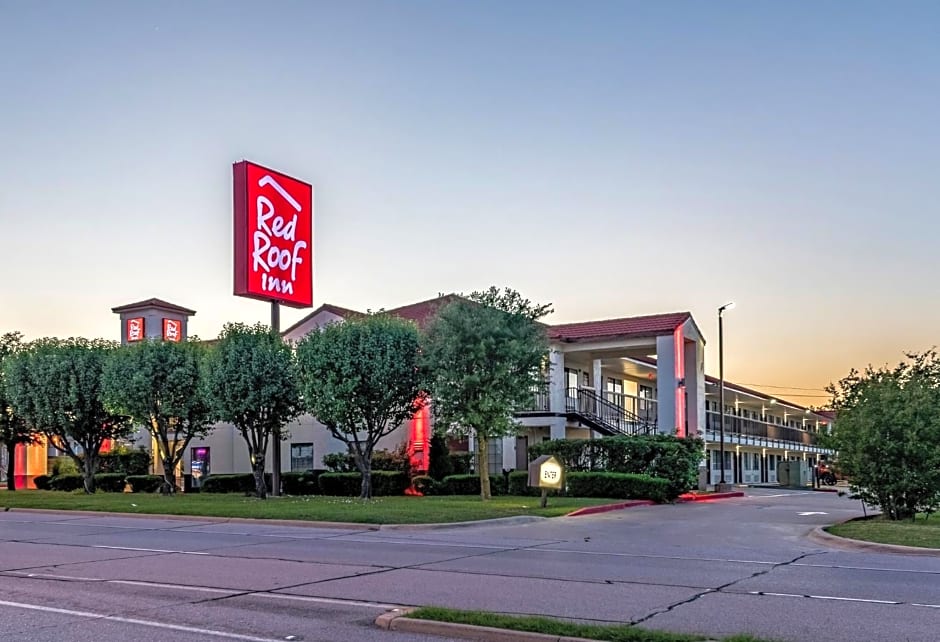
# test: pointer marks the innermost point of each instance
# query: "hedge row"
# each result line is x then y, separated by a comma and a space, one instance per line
619, 486
458, 485
663, 456
318, 482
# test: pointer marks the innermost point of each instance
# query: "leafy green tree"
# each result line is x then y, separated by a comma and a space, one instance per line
360, 378
484, 355
55, 385
14, 429
159, 384
251, 381
887, 433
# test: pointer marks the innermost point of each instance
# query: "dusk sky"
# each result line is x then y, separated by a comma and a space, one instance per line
614, 159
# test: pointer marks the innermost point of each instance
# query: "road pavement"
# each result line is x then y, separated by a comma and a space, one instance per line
738, 565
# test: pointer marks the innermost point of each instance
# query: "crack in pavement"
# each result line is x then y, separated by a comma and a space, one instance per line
719, 589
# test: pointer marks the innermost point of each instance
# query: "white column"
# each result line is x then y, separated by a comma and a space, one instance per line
556, 381
598, 379
695, 386
666, 384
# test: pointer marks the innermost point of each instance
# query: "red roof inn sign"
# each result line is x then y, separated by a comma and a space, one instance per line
273, 236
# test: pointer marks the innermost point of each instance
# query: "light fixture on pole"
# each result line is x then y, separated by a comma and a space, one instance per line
721, 389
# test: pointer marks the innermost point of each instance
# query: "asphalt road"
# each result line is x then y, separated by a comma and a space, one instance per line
741, 565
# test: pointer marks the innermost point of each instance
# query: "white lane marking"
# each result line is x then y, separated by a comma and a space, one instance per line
844, 599
660, 557
50, 576
137, 622
867, 568
852, 599
147, 550
811, 512
200, 589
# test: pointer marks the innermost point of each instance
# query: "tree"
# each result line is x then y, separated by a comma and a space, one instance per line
887, 434
484, 356
159, 384
14, 429
251, 382
360, 378
55, 385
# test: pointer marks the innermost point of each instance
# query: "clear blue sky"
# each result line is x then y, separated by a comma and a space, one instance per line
614, 159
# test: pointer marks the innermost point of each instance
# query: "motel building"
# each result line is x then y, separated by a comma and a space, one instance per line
628, 376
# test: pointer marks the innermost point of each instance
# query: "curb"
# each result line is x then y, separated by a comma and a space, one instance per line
496, 521
203, 518
688, 497
395, 620
606, 508
820, 536
683, 499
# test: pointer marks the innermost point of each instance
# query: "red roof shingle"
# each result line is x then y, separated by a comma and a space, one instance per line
153, 303
652, 325
423, 311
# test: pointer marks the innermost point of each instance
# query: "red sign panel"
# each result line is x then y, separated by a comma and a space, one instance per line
273, 236
135, 329
172, 330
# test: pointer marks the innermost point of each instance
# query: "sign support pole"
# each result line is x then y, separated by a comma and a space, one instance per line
276, 435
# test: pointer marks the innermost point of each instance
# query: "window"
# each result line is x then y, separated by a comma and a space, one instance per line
494, 455
571, 378
301, 457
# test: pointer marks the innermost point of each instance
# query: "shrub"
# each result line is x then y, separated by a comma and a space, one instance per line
619, 486
128, 462
145, 483
519, 484
470, 485
664, 456
110, 482
42, 482
239, 483
63, 465
440, 464
460, 462
67, 482
304, 483
384, 482
339, 463
426, 485
397, 460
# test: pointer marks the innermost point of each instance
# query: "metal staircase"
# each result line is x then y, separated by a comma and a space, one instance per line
605, 417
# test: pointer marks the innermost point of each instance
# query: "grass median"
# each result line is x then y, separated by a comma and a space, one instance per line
381, 510
922, 532
552, 626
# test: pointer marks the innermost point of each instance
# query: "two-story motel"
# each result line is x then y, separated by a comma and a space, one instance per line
633, 375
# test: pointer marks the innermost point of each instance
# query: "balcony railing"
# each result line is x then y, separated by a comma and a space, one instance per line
638, 408
641, 407
735, 425
541, 399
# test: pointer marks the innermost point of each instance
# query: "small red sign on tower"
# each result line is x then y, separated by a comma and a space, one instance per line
172, 330
135, 329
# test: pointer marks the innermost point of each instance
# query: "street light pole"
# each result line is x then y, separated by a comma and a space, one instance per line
721, 389
276, 434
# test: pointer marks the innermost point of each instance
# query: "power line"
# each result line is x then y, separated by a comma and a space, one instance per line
766, 385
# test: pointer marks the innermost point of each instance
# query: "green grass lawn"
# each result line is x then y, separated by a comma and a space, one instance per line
381, 510
922, 532
552, 626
